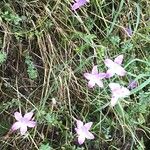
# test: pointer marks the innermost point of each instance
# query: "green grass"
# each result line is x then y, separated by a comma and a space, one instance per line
46, 48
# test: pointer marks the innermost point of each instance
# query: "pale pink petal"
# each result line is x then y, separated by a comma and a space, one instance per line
125, 92
119, 59
16, 126
78, 130
110, 73
88, 76
89, 135
81, 139
109, 63
31, 124
99, 83
18, 116
78, 4
113, 101
79, 123
75, 6
102, 75
95, 70
81, 1
91, 84
120, 71
88, 125
28, 115
23, 129
114, 86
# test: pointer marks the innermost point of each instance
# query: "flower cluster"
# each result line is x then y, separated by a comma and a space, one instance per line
94, 78
114, 67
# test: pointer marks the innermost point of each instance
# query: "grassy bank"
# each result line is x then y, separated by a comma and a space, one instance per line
45, 49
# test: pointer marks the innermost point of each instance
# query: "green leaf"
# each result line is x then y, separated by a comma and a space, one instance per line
3, 57
45, 147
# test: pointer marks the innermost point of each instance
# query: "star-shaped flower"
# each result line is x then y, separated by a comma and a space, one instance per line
117, 92
83, 131
94, 77
23, 122
114, 67
78, 4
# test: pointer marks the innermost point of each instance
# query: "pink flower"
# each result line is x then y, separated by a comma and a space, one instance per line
94, 77
78, 4
83, 131
23, 122
117, 92
114, 67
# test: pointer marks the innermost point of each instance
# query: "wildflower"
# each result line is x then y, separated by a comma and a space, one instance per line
83, 131
114, 67
132, 84
23, 122
128, 31
117, 92
78, 4
94, 77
